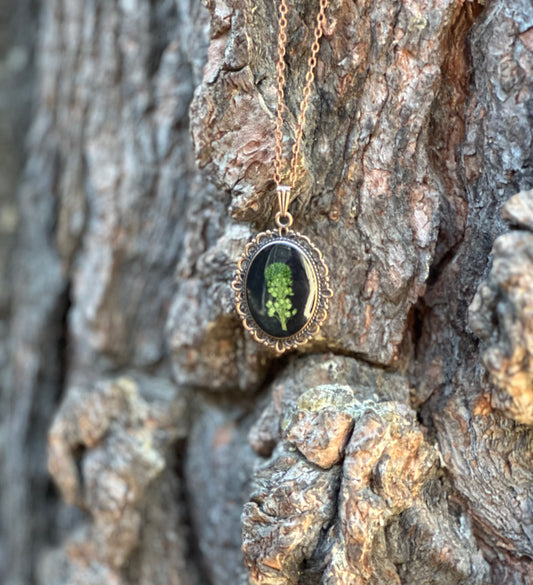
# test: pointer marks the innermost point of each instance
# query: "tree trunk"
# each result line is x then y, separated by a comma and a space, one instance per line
396, 446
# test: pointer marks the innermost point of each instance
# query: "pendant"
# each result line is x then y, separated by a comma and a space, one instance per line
282, 289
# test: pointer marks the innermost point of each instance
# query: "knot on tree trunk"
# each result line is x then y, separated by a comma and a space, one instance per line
110, 453
350, 491
501, 313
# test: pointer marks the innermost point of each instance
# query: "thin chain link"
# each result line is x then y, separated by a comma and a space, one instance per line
309, 78
280, 105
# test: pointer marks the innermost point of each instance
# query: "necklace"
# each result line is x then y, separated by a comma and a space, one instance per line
282, 282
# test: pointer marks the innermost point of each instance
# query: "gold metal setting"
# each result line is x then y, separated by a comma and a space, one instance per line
321, 281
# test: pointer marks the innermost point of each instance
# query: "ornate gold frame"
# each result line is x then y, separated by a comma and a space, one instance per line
324, 292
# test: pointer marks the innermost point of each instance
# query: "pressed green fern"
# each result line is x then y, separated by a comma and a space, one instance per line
279, 285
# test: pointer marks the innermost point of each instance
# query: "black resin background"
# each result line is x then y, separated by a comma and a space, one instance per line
303, 286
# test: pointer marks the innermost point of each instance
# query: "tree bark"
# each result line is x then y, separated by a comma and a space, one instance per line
396, 446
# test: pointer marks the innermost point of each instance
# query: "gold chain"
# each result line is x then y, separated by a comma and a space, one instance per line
284, 190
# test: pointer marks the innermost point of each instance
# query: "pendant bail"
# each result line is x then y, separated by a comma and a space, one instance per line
283, 217
284, 198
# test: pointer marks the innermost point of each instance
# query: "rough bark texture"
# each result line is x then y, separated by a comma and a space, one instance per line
396, 447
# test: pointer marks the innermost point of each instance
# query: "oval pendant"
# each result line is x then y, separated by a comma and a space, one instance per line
282, 289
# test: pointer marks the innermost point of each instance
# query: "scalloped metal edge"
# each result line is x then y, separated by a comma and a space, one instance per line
324, 292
